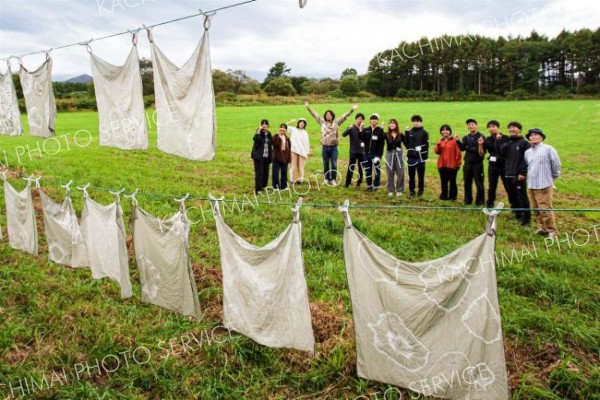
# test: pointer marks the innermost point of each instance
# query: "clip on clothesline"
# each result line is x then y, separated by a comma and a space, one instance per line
346, 214
492, 214
296, 210
117, 193
84, 190
132, 197
67, 187
182, 201
214, 203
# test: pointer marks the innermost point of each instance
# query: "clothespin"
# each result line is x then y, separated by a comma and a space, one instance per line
296, 210
87, 45
302, 3
67, 187
131, 196
134, 38
117, 194
214, 203
182, 201
344, 210
491, 222
149, 32
84, 190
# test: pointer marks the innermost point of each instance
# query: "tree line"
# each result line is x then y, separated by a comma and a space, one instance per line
570, 63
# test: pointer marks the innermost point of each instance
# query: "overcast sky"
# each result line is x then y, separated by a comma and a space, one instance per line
319, 40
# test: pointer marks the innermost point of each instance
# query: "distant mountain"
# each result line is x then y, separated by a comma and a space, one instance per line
80, 79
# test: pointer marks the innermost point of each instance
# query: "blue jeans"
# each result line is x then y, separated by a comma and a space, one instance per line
330, 156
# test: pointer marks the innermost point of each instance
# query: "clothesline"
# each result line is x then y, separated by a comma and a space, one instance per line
87, 42
188, 196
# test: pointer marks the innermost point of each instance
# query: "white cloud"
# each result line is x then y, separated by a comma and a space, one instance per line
319, 40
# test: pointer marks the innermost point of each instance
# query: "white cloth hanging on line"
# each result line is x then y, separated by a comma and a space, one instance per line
161, 249
103, 232
20, 219
433, 326
120, 102
264, 288
39, 99
10, 116
185, 104
65, 242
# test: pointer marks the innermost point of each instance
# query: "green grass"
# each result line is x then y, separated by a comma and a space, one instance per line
53, 317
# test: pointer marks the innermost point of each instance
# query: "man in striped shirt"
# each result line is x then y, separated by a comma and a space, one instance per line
543, 165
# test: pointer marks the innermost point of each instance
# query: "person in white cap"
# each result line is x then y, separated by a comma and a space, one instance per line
300, 150
543, 167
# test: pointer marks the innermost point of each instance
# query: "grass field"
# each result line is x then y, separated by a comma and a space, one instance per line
55, 319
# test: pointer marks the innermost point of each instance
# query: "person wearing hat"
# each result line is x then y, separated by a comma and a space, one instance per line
515, 171
300, 150
357, 149
329, 140
374, 139
416, 141
262, 155
543, 167
472, 145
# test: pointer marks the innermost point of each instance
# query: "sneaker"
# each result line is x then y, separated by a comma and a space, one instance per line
390, 194
551, 235
399, 194
259, 192
541, 232
325, 182
333, 183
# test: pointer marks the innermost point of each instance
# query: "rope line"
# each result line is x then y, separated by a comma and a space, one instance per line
129, 31
236, 200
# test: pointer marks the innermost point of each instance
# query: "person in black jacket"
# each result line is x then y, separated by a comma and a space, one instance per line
492, 145
472, 145
515, 171
357, 149
262, 154
416, 141
374, 139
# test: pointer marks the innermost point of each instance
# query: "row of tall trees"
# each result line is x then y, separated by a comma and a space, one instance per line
569, 62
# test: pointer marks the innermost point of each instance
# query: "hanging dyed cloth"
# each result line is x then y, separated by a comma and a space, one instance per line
432, 327
20, 218
103, 233
65, 243
10, 117
39, 98
161, 249
185, 103
119, 97
264, 289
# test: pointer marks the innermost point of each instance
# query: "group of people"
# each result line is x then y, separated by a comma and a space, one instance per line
526, 166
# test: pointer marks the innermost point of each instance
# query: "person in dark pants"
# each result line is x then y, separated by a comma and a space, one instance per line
357, 149
374, 138
492, 145
262, 153
448, 163
282, 157
472, 145
515, 171
416, 141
